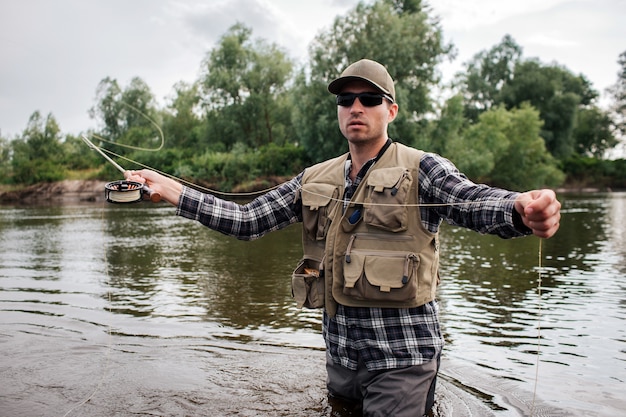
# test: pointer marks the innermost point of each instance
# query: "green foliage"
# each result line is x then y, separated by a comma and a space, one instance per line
557, 94
477, 149
77, 156
584, 171
526, 164
504, 149
593, 134
242, 85
38, 153
315, 120
280, 160
5, 161
129, 116
487, 73
228, 169
399, 34
182, 125
447, 129
168, 160
500, 77
224, 170
250, 114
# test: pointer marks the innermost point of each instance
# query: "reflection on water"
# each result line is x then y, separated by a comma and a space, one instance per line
143, 312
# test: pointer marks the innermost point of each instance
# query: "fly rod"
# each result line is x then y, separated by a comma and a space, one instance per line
123, 191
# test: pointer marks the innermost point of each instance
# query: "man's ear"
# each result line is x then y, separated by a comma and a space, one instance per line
393, 112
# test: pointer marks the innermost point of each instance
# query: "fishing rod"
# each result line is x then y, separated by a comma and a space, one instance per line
124, 191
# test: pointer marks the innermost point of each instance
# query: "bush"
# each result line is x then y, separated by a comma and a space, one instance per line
592, 172
285, 160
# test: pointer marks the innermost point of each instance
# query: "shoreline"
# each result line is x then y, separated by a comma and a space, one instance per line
66, 191
92, 191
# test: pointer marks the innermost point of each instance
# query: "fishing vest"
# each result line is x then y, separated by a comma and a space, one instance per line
375, 253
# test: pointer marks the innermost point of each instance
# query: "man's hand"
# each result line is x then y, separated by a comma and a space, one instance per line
168, 188
540, 211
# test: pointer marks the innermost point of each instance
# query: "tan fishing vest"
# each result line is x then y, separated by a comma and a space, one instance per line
376, 253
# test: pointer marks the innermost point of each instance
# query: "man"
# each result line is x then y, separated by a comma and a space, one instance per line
370, 221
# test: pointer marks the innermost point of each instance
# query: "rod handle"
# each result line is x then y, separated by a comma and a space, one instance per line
152, 195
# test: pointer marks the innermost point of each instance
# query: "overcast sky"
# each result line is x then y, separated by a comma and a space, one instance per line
53, 53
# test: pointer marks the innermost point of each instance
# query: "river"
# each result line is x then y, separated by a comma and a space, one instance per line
128, 310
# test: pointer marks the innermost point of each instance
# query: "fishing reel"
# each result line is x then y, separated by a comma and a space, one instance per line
124, 191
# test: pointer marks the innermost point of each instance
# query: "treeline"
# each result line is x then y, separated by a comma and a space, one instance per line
252, 113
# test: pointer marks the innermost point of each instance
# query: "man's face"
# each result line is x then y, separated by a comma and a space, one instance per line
361, 124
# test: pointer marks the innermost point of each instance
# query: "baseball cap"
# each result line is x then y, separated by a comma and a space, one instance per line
368, 71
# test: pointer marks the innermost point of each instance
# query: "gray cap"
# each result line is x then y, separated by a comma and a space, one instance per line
368, 71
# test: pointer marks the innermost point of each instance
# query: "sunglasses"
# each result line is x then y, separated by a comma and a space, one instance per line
366, 99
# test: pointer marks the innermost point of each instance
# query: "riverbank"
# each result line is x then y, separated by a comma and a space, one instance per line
66, 191
85, 191
81, 191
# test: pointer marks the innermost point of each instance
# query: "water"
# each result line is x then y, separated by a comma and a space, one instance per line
129, 310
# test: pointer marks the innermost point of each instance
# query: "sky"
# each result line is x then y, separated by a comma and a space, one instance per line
53, 54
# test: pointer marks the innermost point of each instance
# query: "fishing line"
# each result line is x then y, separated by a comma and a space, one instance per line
123, 191
127, 191
137, 148
539, 302
254, 193
191, 184
118, 192
109, 346
539, 270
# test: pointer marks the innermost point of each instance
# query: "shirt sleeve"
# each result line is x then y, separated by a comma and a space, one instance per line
271, 211
447, 194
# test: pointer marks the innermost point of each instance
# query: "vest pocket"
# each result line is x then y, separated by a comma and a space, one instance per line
381, 275
387, 198
307, 284
318, 202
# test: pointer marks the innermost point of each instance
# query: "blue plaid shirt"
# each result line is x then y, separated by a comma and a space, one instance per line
381, 338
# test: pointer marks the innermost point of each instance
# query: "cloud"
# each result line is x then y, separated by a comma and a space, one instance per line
54, 53
467, 14
552, 40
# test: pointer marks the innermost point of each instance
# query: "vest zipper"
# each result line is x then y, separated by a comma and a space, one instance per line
349, 248
410, 257
396, 187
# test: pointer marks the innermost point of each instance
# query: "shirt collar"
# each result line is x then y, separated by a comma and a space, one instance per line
369, 163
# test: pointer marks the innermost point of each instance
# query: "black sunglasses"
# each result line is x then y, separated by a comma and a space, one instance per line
366, 99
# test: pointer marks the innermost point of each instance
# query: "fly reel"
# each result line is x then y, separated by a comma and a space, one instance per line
123, 191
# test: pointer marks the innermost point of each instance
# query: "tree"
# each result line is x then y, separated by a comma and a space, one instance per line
38, 152
5, 160
181, 121
557, 94
77, 156
618, 92
400, 35
526, 164
476, 149
448, 128
242, 89
130, 120
129, 115
487, 73
593, 134
504, 149
501, 77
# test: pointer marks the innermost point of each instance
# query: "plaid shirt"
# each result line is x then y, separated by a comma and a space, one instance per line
381, 338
